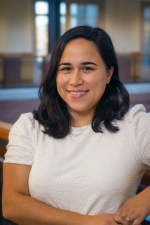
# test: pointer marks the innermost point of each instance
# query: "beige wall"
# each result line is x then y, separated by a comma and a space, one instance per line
2, 27
16, 26
122, 20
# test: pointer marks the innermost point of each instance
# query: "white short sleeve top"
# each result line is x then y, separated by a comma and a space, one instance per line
91, 173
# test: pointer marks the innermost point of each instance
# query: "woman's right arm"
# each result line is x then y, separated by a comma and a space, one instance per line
22, 209
19, 207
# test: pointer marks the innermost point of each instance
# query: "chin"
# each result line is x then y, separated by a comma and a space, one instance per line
81, 109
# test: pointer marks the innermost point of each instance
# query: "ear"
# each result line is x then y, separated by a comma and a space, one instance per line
109, 74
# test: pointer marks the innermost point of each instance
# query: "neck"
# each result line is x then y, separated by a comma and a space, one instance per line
80, 119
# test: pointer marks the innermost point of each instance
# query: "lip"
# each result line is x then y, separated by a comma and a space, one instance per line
76, 94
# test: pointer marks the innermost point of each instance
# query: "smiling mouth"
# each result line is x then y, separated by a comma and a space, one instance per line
77, 93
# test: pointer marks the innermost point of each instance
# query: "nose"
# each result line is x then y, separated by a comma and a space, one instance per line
76, 78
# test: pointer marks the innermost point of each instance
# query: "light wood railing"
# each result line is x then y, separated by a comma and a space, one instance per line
133, 67
4, 130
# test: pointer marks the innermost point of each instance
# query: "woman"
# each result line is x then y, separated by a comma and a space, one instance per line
79, 158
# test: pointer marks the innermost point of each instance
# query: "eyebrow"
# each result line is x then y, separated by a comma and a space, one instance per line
84, 63
65, 63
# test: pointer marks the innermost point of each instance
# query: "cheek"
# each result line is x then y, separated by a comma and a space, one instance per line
97, 81
61, 81
101, 80
99, 85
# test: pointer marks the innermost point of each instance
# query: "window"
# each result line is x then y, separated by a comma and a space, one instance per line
62, 17
147, 30
41, 23
145, 68
83, 14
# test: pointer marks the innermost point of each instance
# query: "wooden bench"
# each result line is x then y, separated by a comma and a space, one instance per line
146, 178
4, 132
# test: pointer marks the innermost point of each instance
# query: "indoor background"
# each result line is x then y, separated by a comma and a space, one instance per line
30, 28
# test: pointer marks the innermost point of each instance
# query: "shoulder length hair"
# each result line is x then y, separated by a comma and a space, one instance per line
53, 111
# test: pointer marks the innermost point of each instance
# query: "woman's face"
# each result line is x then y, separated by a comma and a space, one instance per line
82, 76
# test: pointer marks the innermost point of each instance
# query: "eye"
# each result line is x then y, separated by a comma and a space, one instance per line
66, 68
87, 68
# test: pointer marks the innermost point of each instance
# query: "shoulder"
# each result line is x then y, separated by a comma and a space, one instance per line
21, 145
139, 127
25, 121
26, 127
137, 119
135, 116
136, 124
138, 114
26, 118
137, 110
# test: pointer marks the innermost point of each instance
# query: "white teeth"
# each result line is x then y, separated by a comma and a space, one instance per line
77, 93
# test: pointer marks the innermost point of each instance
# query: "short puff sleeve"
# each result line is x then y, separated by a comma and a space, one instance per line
140, 125
20, 148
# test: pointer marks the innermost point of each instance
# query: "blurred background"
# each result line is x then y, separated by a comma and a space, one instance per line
29, 30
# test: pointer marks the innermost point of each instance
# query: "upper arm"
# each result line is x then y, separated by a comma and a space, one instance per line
15, 179
19, 156
140, 121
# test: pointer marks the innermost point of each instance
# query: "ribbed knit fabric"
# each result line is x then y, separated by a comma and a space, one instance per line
91, 173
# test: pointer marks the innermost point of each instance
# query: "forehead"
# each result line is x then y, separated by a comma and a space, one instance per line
81, 42
80, 47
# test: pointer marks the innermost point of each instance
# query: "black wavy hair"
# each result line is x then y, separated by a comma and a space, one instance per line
53, 111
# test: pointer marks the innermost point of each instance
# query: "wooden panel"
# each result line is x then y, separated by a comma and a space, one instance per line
146, 178
1, 69
11, 70
124, 62
3, 144
2, 151
27, 66
4, 130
